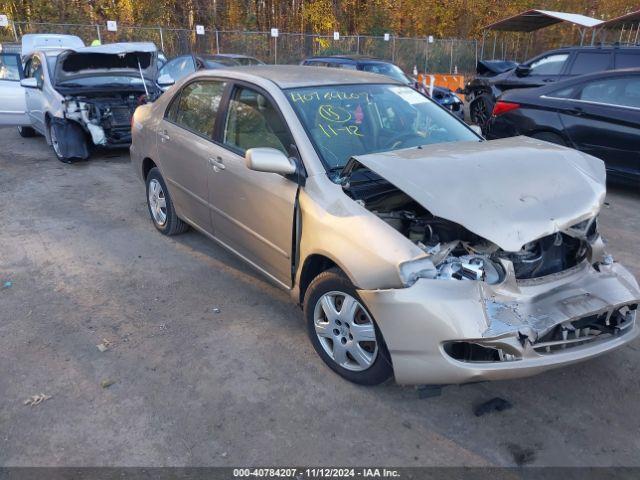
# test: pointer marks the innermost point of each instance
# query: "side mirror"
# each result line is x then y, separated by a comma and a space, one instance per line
477, 129
269, 160
523, 70
165, 80
29, 82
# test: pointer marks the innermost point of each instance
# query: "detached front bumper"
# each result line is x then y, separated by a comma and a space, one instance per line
534, 325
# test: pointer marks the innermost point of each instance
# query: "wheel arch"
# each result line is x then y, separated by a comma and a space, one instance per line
314, 264
147, 164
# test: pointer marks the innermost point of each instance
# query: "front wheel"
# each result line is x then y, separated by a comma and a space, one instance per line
75, 142
343, 332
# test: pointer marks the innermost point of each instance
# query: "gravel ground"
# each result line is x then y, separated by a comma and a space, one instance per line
242, 386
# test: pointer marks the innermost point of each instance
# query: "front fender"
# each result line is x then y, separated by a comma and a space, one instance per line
363, 246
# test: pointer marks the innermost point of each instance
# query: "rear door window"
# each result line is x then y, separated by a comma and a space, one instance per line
588, 62
10, 67
620, 91
549, 65
197, 107
627, 60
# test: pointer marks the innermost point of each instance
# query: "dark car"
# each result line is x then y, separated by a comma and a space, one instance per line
181, 66
442, 95
495, 77
243, 60
598, 114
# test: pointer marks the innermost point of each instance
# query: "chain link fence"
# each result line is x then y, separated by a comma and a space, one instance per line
438, 56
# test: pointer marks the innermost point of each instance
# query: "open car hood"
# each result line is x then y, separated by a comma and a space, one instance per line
488, 68
112, 59
510, 191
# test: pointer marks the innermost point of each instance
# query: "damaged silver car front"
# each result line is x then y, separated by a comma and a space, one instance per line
523, 236
102, 86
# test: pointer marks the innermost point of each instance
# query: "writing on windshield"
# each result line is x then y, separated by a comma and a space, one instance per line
348, 120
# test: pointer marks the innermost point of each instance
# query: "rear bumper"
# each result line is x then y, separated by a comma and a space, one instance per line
417, 322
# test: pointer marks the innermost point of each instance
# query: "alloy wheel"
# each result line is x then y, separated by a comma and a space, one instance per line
157, 202
54, 141
345, 331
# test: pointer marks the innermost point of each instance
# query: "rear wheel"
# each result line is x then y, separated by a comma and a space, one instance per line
161, 207
343, 332
480, 110
26, 132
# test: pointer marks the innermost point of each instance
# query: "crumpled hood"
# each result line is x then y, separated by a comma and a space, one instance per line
510, 191
127, 59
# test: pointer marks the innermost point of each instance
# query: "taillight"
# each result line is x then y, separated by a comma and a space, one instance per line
503, 107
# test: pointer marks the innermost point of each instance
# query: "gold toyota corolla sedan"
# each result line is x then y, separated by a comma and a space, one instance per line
416, 248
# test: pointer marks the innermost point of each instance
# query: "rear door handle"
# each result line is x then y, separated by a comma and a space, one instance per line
164, 136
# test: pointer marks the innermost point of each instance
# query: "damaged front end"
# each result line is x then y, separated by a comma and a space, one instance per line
106, 118
497, 302
103, 85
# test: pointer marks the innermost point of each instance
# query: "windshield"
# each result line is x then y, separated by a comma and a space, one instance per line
348, 120
387, 69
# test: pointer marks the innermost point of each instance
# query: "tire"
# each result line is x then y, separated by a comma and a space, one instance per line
550, 137
480, 110
57, 150
26, 132
161, 209
365, 362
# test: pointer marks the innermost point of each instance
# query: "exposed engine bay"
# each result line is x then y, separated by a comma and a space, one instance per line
460, 254
106, 118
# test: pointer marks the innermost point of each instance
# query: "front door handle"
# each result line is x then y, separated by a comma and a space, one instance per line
217, 164
164, 136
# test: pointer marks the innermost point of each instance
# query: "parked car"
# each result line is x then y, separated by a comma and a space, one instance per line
411, 243
83, 96
441, 95
496, 77
181, 66
12, 95
242, 60
598, 114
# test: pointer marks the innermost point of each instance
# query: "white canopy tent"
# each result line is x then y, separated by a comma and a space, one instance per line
534, 19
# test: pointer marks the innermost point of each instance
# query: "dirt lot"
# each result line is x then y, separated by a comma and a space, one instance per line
242, 386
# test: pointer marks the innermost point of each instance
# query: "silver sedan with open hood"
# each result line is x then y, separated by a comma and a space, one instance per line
79, 97
415, 248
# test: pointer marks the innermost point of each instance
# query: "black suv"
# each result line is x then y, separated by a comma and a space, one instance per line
494, 77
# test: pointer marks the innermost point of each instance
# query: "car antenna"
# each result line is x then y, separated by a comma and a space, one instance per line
144, 82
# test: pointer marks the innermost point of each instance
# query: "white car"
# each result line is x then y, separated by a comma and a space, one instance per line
13, 104
77, 96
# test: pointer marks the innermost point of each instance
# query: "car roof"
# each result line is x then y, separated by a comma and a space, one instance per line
595, 48
230, 55
353, 58
296, 76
